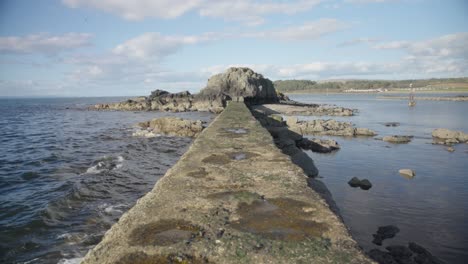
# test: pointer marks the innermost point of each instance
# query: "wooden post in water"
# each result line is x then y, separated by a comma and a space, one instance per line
411, 102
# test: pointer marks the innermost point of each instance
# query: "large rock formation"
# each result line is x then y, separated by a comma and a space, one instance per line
234, 84
240, 82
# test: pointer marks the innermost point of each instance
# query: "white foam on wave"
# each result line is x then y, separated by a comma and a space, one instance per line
70, 261
106, 164
145, 133
112, 209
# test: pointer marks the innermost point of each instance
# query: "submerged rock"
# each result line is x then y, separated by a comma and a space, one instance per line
413, 254
448, 137
172, 126
383, 233
397, 139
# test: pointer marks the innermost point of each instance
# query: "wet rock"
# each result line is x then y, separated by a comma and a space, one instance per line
172, 126
397, 139
399, 252
354, 182
450, 149
364, 184
318, 145
381, 257
383, 233
448, 137
407, 173
391, 124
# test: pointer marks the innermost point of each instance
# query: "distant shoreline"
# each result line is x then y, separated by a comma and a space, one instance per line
464, 91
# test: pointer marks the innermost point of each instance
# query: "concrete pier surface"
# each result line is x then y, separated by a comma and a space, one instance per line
233, 197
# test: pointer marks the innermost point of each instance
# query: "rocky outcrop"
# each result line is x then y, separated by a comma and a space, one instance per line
285, 137
171, 126
240, 83
448, 137
328, 127
294, 108
397, 139
160, 100
235, 84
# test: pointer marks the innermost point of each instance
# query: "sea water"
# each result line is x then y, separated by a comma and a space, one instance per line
429, 209
67, 174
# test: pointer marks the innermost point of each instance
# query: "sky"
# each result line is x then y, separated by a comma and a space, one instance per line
126, 48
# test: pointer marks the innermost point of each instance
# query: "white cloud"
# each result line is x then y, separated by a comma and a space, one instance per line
452, 46
250, 12
368, 1
44, 43
139, 9
307, 31
155, 45
357, 41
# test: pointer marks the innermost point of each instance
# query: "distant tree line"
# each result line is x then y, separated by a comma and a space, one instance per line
306, 85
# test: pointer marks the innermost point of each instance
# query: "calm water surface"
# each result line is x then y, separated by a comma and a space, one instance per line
430, 209
67, 174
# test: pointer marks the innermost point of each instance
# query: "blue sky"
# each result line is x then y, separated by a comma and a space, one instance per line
121, 47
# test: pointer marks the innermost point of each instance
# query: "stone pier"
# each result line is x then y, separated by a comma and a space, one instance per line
233, 197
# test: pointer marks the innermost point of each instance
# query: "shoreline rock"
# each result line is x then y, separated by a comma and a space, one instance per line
293, 108
170, 126
460, 98
445, 136
327, 127
397, 139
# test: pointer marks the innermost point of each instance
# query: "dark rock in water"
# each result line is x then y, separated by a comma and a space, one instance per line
398, 251
354, 182
383, 233
364, 184
404, 255
391, 124
381, 257
423, 255
417, 248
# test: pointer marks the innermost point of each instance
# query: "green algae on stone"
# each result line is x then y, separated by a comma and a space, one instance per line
241, 196
164, 232
143, 258
217, 159
199, 173
278, 219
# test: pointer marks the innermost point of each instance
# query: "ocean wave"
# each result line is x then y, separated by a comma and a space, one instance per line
107, 163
